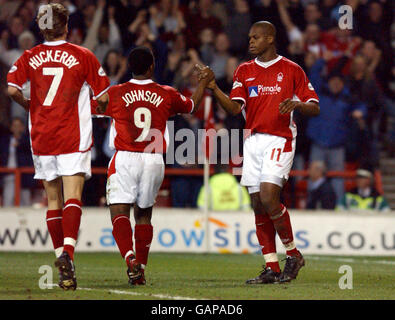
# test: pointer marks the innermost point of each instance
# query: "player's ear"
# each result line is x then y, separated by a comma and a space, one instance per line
270, 39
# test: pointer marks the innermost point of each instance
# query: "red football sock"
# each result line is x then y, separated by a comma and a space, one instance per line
55, 229
143, 236
282, 223
71, 225
123, 235
266, 234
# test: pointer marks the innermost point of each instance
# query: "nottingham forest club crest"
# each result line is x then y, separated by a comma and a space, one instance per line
280, 77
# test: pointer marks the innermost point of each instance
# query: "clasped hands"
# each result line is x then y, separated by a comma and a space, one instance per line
206, 75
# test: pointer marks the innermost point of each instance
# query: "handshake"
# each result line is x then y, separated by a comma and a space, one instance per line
206, 76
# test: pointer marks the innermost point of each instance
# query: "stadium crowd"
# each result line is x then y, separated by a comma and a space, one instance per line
352, 70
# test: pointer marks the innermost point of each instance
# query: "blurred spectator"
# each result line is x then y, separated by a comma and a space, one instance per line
26, 41
207, 47
16, 152
115, 65
239, 16
199, 18
313, 15
185, 69
16, 27
109, 37
220, 56
226, 193
364, 196
328, 131
320, 193
176, 56
166, 20
363, 87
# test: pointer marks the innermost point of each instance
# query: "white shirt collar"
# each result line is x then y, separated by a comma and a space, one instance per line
268, 63
54, 43
136, 81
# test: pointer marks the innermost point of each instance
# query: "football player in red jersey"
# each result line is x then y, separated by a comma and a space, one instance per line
267, 90
61, 75
140, 109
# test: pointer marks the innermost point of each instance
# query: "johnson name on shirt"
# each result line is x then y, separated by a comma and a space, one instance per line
53, 56
142, 95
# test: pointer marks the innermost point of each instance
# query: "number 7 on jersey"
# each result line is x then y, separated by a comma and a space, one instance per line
53, 89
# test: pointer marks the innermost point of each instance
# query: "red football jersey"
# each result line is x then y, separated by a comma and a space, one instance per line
61, 75
263, 86
140, 110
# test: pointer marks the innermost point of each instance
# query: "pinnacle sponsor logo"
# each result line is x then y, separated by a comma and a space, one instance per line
261, 90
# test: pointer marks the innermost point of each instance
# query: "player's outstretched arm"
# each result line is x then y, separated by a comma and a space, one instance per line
231, 106
18, 97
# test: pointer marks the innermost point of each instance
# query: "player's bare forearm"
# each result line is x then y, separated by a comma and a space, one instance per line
230, 106
206, 75
310, 109
306, 108
18, 97
102, 102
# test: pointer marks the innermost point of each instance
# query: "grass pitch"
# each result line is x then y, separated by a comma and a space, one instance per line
196, 276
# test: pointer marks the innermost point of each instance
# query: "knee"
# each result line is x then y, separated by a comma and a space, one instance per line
269, 203
257, 206
143, 216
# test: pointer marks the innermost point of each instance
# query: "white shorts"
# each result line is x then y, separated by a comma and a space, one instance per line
135, 177
264, 160
51, 167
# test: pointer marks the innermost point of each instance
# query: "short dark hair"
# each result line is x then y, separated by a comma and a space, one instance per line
140, 59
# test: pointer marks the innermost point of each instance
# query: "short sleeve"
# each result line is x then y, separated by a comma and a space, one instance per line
110, 106
180, 103
19, 72
96, 77
304, 90
238, 91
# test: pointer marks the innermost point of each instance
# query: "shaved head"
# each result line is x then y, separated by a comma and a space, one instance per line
267, 27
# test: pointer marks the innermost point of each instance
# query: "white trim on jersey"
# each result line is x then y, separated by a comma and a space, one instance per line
242, 99
267, 64
136, 81
84, 117
101, 93
113, 134
312, 99
54, 43
193, 105
14, 85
